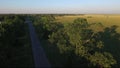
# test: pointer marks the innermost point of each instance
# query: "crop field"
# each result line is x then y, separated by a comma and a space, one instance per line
106, 20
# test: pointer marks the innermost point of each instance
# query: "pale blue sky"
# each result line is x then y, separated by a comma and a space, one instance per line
60, 6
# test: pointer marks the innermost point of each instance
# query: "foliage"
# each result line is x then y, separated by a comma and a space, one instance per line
80, 42
45, 25
78, 38
13, 41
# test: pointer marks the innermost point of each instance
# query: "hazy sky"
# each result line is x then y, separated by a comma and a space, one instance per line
60, 6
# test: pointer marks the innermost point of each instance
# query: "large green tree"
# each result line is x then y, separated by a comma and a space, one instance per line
79, 39
45, 25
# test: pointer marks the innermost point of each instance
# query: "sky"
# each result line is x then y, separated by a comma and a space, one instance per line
61, 6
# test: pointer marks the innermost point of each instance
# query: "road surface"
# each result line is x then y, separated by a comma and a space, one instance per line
40, 59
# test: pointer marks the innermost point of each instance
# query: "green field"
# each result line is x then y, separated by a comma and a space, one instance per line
106, 20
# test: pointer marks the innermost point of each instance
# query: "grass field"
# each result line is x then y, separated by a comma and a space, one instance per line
106, 20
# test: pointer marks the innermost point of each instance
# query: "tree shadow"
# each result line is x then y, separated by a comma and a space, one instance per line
111, 39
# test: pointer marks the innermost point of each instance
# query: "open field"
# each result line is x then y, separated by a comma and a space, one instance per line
106, 20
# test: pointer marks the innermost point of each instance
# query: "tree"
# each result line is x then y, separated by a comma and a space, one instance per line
77, 38
12, 32
45, 25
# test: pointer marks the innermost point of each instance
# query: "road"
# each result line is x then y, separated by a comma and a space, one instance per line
40, 59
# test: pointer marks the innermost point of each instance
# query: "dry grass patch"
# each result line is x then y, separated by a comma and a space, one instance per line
106, 20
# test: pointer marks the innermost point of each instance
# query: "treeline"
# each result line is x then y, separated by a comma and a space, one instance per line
80, 45
13, 40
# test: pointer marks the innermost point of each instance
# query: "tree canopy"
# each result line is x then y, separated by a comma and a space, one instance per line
78, 38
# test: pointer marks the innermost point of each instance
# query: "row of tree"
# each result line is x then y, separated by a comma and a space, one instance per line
12, 39
78, 42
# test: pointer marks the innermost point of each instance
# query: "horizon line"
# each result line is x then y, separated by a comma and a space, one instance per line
60, 13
